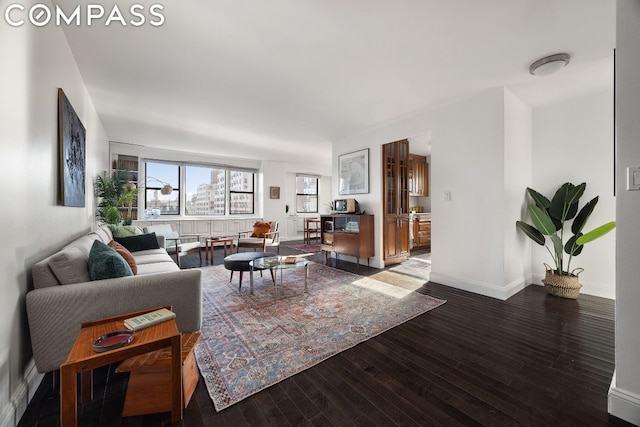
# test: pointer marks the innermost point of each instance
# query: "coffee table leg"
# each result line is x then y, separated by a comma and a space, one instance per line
68, 397
306, 275
251, 281
176, 379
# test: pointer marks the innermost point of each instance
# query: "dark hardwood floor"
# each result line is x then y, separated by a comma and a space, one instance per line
534, 360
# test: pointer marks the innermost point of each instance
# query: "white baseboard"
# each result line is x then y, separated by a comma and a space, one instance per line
482, 288
623, 404
13, 411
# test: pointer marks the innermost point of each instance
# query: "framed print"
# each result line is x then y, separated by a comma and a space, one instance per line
71, 154
354, 172
274, 192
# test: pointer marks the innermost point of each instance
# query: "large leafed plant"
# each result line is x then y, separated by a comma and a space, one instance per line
113, 192
549, 218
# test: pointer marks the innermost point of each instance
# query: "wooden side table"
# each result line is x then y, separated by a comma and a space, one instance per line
149, 387
208, 248
83, 359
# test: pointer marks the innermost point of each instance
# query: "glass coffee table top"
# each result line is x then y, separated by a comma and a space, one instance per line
280, 263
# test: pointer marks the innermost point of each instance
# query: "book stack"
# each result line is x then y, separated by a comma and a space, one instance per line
148, 319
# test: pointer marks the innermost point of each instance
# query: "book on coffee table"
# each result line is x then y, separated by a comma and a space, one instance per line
148, 319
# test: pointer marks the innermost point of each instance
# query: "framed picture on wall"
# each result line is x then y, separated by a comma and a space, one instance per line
71, 154
354, 172
274, 192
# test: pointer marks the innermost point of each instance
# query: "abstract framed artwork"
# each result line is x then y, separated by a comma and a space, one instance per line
71, 154
354, 172
274, 192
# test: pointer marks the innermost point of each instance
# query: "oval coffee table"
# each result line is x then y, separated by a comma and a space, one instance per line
278, 263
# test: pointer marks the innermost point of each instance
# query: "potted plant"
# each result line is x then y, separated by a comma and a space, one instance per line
549, 218
113, 193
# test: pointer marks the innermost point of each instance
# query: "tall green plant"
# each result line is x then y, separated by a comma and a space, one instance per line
550, 216
113, 193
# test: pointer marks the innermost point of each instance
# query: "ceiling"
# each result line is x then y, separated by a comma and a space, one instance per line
282, 79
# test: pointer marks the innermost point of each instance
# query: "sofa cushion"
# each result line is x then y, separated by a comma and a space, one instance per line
104, 234
157, 267
260, 228
139, 242
127, 230
106, 263
70, 266
124, 253
84, 243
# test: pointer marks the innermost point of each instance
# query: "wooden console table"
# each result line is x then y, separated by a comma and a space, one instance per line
83, 359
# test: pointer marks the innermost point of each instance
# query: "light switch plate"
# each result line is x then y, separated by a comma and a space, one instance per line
633, 178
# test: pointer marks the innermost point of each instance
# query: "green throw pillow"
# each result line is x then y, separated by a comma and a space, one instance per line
106, 263
140, 242
127, 230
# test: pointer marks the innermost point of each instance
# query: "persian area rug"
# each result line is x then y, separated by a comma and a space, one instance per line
248, 343
306, 248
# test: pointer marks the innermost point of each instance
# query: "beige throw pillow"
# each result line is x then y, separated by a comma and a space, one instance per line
70, 266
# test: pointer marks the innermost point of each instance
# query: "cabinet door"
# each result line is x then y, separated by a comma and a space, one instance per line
396, 242
403, 237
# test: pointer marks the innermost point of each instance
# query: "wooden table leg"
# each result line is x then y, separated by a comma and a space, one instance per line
68, 397
86, 386
176, 379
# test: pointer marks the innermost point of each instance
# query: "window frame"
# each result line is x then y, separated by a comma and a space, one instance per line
316, 195
230, 192
148, 187
182, 183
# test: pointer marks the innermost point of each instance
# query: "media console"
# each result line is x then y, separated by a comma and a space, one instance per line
348, 234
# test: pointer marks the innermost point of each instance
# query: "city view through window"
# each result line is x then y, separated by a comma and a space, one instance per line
205, 189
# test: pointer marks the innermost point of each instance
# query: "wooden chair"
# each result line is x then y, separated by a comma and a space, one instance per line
259, 239
311, 230
175, 243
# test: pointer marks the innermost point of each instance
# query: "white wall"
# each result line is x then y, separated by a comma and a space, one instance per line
517, 177
573, 142
468, 155
35, 63
485, 152
624, 395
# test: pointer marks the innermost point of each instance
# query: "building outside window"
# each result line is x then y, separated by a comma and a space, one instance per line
205, 190
306, 194
157, 176
241, 192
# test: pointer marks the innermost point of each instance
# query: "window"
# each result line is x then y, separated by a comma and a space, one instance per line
162, 187
205, 189
241, 185
306, 194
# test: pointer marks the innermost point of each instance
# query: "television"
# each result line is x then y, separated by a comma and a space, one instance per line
346, 206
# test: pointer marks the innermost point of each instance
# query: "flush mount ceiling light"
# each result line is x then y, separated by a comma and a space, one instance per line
549, 64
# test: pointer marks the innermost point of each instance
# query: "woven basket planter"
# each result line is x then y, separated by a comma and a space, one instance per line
562, 286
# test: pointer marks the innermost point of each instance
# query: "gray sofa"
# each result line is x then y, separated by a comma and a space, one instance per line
56, 310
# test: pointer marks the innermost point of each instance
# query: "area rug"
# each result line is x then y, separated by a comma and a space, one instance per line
306, 248
250, 343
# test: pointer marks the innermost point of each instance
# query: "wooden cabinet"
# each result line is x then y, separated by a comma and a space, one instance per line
418, 175
348, 235
395, 192
422, 232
